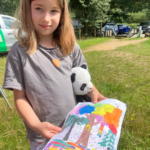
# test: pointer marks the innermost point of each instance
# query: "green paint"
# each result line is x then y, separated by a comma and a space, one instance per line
108, 140
3, 47
99, 105
62, 142
59, 146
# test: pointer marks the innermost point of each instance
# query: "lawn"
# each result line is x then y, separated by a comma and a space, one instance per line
90, 42
123, 73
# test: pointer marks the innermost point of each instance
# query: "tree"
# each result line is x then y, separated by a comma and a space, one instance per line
71, 122
120, 9
90, 11
87, 110
108, 140
8, 7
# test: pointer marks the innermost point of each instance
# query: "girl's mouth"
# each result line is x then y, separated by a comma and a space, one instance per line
45, 26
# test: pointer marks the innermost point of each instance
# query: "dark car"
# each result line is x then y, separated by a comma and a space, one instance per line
123, 29
146, 31
144, 25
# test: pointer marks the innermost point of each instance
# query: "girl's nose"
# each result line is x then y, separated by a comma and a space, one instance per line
46, 17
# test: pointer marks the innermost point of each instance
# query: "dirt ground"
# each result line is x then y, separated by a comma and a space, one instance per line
113, 44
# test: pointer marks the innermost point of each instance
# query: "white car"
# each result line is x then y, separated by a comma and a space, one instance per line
7, 38
111, 26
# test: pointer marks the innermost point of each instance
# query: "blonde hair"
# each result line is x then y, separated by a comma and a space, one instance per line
63, 35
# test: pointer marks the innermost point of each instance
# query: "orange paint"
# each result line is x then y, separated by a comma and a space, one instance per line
75, 145
113, 118
56, 62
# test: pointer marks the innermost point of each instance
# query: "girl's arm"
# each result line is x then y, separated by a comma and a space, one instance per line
95, 95
45, 129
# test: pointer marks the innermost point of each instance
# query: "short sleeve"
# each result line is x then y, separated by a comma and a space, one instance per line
13, 78
77, 57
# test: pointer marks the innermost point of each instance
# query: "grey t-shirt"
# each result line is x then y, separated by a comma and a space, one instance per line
48, 88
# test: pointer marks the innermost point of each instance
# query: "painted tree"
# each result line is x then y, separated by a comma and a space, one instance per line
87, 110
108, 141
71, 121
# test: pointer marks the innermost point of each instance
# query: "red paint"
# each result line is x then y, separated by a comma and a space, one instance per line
113, 129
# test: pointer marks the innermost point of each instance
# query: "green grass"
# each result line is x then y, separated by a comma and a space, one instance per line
123, 73
90, 42
141, 49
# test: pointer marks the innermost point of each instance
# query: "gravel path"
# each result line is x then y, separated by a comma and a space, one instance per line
113, 44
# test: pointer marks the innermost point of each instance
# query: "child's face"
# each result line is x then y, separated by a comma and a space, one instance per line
45, 16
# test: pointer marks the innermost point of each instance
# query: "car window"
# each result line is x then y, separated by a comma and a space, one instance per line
110, 24
144, 23
9, 22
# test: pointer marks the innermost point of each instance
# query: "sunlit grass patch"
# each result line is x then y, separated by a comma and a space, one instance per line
140, 49
90, 42
125, 75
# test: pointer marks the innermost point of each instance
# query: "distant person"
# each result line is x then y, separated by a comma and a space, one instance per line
39, 67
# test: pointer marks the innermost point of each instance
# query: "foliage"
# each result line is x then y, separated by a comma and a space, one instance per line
90, 12
120, 9
148, 13
8, 7
138, 17
130, 5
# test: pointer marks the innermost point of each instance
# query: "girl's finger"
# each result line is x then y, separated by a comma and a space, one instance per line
54, 128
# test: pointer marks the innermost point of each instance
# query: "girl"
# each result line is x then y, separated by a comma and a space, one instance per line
39, 66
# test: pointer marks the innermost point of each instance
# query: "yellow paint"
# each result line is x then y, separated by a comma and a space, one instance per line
78, 148
104, 109
88, 127
51, 148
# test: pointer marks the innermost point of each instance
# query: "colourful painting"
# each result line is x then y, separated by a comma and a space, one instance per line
91, 127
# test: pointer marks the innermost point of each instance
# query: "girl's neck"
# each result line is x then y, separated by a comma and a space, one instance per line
47, 41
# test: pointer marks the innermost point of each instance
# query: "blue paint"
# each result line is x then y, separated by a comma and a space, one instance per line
86, 110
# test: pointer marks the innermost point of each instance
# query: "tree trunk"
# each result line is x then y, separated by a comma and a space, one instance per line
94, 32
101, 30
86, 29
83, 140
67, 135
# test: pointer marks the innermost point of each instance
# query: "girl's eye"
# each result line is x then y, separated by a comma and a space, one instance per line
38, 8
54, 10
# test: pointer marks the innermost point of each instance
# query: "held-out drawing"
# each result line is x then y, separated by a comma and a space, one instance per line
91, 127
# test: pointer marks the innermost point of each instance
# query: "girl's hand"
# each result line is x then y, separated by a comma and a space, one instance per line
47, 130
95, 95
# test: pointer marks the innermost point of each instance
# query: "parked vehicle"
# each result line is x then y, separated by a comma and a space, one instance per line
147, 30
123, 29
7, 38
111, 26
145, 25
